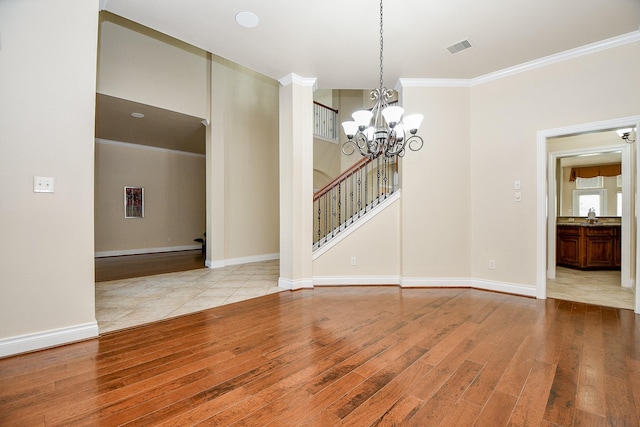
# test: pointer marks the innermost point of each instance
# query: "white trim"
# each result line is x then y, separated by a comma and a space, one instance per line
408, 82
435, 282
427, 282
46, 339
526, 66
299, 80
544, 178
142, 251
355, 280
462, 282
356, 225
293, 285
559, 57
509, 288
148, 147
242, 260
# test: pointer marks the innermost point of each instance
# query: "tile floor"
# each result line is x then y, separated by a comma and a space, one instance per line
131, 302
600, 287
125, 303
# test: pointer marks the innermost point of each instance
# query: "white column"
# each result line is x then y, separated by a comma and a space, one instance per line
296, 181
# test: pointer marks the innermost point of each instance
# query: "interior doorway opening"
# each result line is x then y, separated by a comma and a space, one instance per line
548, 200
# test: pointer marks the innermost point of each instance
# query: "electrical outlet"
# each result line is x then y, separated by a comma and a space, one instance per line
492, 264
353, 260
42, 184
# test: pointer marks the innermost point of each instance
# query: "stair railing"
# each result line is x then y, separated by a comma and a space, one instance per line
351, 195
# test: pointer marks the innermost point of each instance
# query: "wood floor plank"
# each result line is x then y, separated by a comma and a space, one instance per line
343, 356
561, 402
435, 408
531, 404
497, 410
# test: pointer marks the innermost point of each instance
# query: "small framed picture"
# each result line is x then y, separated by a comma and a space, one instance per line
134, 202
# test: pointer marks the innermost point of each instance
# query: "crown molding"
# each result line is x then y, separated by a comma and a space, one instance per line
611, 43
559, 57
408, 82
299, 80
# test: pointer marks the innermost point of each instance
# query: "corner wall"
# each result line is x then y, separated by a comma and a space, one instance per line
48, 86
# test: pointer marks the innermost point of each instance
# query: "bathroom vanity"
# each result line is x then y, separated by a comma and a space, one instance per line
586, 245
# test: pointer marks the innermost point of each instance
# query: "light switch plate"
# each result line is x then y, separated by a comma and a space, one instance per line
42, 184
517, 196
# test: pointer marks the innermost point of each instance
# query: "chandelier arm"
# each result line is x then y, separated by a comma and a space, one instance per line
415, 139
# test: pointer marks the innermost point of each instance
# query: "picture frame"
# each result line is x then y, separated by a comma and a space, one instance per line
134, 202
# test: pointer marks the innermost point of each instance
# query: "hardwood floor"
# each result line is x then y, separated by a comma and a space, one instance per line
127, 266
356, 356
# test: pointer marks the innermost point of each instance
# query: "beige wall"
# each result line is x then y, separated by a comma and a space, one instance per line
375, 246
245, 133
436, 206
142, 65
47, 81
174, 192
506, 115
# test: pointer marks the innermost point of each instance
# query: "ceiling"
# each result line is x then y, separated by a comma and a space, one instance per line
158, 128
337, 42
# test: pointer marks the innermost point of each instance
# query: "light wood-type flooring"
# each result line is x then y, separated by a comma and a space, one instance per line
355, 356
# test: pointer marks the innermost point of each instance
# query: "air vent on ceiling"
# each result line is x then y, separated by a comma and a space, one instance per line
457, 47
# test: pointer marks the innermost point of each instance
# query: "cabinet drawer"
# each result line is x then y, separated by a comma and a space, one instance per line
601, 231
570, 230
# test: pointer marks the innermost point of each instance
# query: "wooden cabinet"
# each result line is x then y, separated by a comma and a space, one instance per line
588, 246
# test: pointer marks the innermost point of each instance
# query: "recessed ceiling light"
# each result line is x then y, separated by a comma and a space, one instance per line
137, 115
247, 19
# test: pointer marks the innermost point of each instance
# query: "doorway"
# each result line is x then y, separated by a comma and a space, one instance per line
547, 160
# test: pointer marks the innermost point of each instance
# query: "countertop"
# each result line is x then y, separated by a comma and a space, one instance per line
586, 224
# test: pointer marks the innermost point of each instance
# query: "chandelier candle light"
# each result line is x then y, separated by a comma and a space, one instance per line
383, 129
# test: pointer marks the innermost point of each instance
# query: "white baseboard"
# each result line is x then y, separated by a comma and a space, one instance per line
293, 285
356, 280
46, 339
435, 282
426, 282
244, 260
462, 282
508, 288
146, 251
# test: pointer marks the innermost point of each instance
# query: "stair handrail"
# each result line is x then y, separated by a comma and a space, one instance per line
360, 163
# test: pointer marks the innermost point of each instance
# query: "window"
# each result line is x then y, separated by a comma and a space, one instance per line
619, 204
584, 183
583, 200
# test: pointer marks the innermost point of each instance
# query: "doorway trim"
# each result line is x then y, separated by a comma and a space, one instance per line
544, 196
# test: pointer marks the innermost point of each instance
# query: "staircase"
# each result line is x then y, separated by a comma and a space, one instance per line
352, 195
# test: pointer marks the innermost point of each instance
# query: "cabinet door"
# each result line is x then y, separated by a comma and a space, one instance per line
600, 252
568, 250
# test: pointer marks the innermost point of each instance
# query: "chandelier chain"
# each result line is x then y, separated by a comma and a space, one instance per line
381, 49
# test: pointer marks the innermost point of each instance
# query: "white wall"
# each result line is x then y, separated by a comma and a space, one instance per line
47, 88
